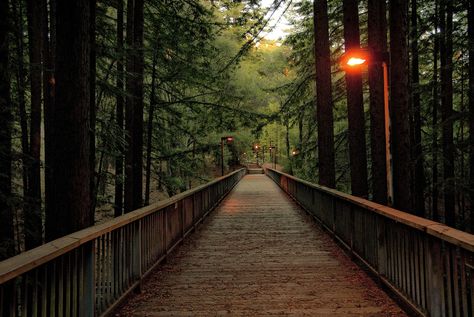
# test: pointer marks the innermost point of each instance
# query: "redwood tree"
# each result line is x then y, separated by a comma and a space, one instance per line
134, 107
355, 104
6, 210
400, 106
470, 20
324, 111
70, 163
119, 111
419, 175
33, 229
446, 28
377, 32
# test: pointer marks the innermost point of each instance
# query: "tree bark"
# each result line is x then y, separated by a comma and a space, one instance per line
134, 107
17, 13
120, 108
446, 29
400, 106
149, 145
33, 226
355, 105
49, 43
324, 111
70, 164
377, 29
435, 105
419, 181
94, 184
7, 245
470, 31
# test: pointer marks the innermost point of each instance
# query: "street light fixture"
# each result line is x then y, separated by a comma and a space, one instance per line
353, 60
228, 140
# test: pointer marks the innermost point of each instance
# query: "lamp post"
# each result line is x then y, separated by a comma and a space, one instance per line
353, 60
256, 147
228, 140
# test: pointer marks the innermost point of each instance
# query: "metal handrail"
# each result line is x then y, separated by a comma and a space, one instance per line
430, 266
88, 272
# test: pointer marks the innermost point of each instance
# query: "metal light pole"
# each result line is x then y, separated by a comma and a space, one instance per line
228, 140
353, 60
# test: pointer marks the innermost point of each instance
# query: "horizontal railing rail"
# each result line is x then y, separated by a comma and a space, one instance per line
428, 265
87, 273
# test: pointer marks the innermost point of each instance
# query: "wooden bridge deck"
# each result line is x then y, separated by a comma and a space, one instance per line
259, 254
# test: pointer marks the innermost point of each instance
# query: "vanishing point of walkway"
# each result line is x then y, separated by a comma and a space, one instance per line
259, 254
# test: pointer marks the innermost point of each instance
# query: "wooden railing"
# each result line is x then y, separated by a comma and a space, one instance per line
87, 273
428, 265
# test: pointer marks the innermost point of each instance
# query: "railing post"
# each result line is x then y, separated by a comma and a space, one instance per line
434, 271
381, 247
88, 296
137, 252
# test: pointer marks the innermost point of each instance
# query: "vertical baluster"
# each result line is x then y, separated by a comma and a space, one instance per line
456, 295
44, 291
423, 272
34, 292
462, 262
61, 286
24, 295
52, 289
449, 279
68, 292
75, 285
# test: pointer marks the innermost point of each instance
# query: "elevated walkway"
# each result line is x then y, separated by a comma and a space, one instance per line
259, 254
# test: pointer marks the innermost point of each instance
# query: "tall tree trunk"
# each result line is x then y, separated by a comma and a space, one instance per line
400, 106
33, 226
324, 112
471, 110
71, 170
120, 105
447, 110
134, 106
419, 181
94, 181
49, 44
435, 105
7, 245
17, 13
149, 143
355, 105
377, 28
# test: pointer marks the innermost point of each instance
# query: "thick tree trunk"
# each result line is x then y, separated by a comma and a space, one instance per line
120, 108
447, 111
134, 106
17, 13
377, 28
94, 181
33, 226
49, 44
355, 105
419, 181
435, 105
471, 110
70, 164
7, 245
149, 143
400, 106
324, 112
